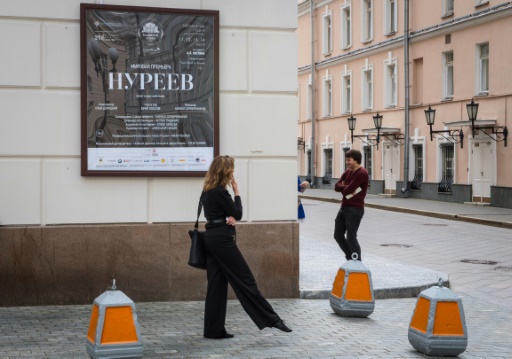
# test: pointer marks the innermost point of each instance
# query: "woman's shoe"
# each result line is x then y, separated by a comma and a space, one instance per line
281, 326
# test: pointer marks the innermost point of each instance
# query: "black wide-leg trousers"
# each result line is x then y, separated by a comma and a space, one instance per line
226, 264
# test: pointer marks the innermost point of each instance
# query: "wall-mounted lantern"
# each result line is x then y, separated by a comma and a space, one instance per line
301, 144
456, 135
501, 132
375, 140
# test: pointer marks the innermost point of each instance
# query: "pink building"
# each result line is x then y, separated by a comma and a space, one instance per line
457, 51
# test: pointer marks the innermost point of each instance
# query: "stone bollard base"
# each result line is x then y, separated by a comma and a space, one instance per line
350, 308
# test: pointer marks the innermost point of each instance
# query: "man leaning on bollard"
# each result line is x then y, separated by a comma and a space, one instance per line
353, 185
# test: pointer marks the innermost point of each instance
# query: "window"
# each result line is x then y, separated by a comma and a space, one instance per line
367, 88
448, 75
390, 92
327, 96
447, 7
346, 92
367, 163
89, 83
447, 164
418, 166
481, 2
483, 69
367, 21
346, 29
390, 20
327, 33
417, 82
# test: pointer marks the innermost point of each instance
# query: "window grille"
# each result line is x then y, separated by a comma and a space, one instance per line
447, 168
418, 167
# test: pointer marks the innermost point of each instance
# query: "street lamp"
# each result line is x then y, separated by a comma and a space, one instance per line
301, 144
97, 54
374, 141
352, 126
501, 132
100, 60
472, 112
430, 116
377, 121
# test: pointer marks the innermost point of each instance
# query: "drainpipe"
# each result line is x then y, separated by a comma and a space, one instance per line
312, 162
405, 187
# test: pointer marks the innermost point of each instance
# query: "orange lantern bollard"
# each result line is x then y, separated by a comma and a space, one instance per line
438, 326
113, 328
352, 290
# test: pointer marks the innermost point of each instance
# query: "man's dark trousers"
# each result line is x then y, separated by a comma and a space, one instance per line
348, 220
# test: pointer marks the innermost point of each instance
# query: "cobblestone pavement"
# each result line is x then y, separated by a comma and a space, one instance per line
174, 330
400, 240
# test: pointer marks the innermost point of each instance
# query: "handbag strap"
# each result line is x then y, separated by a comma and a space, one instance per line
199, 209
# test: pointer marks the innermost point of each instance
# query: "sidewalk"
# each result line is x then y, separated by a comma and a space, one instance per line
402, 250
174, 330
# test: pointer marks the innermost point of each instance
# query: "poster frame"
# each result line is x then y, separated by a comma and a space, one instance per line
85, 61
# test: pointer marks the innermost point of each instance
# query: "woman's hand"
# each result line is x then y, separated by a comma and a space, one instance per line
234, 185
230, 221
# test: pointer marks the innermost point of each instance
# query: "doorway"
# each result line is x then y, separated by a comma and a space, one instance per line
482, 171
391, 167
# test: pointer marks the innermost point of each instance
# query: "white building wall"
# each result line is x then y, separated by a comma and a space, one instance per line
40, 182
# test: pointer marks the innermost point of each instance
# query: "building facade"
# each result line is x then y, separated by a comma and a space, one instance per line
356, 61
63, 237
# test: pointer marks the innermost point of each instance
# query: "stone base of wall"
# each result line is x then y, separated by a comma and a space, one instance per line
501, 197
57, 265
376, 187
460, 192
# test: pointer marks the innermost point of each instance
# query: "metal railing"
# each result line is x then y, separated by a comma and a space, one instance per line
446, 183
417, 180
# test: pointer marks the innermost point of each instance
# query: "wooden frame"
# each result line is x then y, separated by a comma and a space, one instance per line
149, 90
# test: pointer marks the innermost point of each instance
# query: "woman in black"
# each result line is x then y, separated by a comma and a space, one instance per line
225, 261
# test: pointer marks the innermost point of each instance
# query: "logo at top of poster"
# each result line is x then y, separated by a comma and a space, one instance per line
151, 33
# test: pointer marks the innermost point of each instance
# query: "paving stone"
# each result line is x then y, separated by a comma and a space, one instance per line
174, 329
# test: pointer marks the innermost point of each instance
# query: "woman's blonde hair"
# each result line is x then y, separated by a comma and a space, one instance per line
220, 172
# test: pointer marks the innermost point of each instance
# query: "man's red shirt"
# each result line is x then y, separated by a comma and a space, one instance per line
353, 180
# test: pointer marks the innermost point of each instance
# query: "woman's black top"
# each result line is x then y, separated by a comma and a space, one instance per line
218, 205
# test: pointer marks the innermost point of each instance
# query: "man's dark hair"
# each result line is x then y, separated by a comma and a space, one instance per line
355, 155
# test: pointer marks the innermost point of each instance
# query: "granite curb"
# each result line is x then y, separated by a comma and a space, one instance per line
390, 279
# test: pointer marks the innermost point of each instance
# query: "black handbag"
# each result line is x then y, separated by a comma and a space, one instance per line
197, 257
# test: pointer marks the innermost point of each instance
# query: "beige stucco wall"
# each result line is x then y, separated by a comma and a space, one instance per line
40, 118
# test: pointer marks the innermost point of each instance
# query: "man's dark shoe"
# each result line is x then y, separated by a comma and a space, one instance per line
224, 336
281, 326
